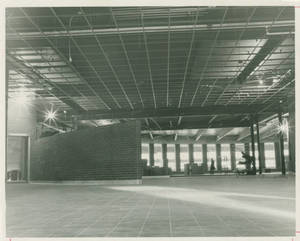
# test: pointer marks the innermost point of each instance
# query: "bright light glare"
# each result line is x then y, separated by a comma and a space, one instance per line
50, 115
261, 82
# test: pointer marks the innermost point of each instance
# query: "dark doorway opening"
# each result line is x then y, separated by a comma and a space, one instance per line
17, 158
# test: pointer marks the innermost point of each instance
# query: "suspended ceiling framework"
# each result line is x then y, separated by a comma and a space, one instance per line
174, 68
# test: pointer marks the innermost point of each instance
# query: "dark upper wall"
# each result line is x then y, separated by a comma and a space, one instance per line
102, 153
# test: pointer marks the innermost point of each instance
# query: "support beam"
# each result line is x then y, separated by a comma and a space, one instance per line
36, 78
199, 125
171, 112
271, 44
281, 143
198, 135
222, 135
260, 26
53, 127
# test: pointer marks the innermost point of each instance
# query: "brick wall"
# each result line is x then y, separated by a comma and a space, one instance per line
102, 153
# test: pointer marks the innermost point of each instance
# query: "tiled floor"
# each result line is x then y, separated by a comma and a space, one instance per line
196, 206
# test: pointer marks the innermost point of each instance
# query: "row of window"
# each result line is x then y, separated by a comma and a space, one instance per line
269, 151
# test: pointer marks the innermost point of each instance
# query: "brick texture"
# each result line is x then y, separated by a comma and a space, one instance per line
102, 153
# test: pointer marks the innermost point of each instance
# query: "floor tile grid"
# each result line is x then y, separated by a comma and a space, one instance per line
70, 214
147, 216
193, 216
259, 226
226, 224
170, 217
107, 205
123, 217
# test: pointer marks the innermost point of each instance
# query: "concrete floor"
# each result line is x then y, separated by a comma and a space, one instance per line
196, 206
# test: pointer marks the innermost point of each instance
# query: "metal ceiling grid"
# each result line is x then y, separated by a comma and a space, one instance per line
154, 57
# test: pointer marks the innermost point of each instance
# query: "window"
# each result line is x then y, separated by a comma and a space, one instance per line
171, 156
198, 154
211, 155
239, 148
225, 155
270, 155
145, 152
184, 155
158, 162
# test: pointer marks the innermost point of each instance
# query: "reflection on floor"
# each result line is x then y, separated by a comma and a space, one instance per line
197, 206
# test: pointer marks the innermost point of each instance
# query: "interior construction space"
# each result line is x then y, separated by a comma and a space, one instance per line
150, 121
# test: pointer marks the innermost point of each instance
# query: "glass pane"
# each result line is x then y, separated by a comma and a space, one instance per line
197, 154
158, 162
184, 156
225, 155
286, 154
270, 155
239, 148
211, 155
171, 156
145, 152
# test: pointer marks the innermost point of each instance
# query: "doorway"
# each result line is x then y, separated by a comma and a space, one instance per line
17, 158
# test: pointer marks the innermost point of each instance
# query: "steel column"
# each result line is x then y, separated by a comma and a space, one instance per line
281, 144
253, 144
258, 147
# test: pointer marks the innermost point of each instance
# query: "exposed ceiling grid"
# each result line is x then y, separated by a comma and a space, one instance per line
140, 58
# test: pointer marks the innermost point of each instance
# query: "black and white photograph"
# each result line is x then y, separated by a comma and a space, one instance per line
150, 121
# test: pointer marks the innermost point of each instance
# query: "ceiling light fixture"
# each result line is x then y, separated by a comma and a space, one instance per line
50, 115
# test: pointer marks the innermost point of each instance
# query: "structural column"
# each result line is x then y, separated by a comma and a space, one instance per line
291, 137
204, 156
164, 157
6, 102
219, 158
263, 158
258, 147
232, 156
75, 122
151, 154
281, 143
191, 153
177, 155
253, 144
247, 148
